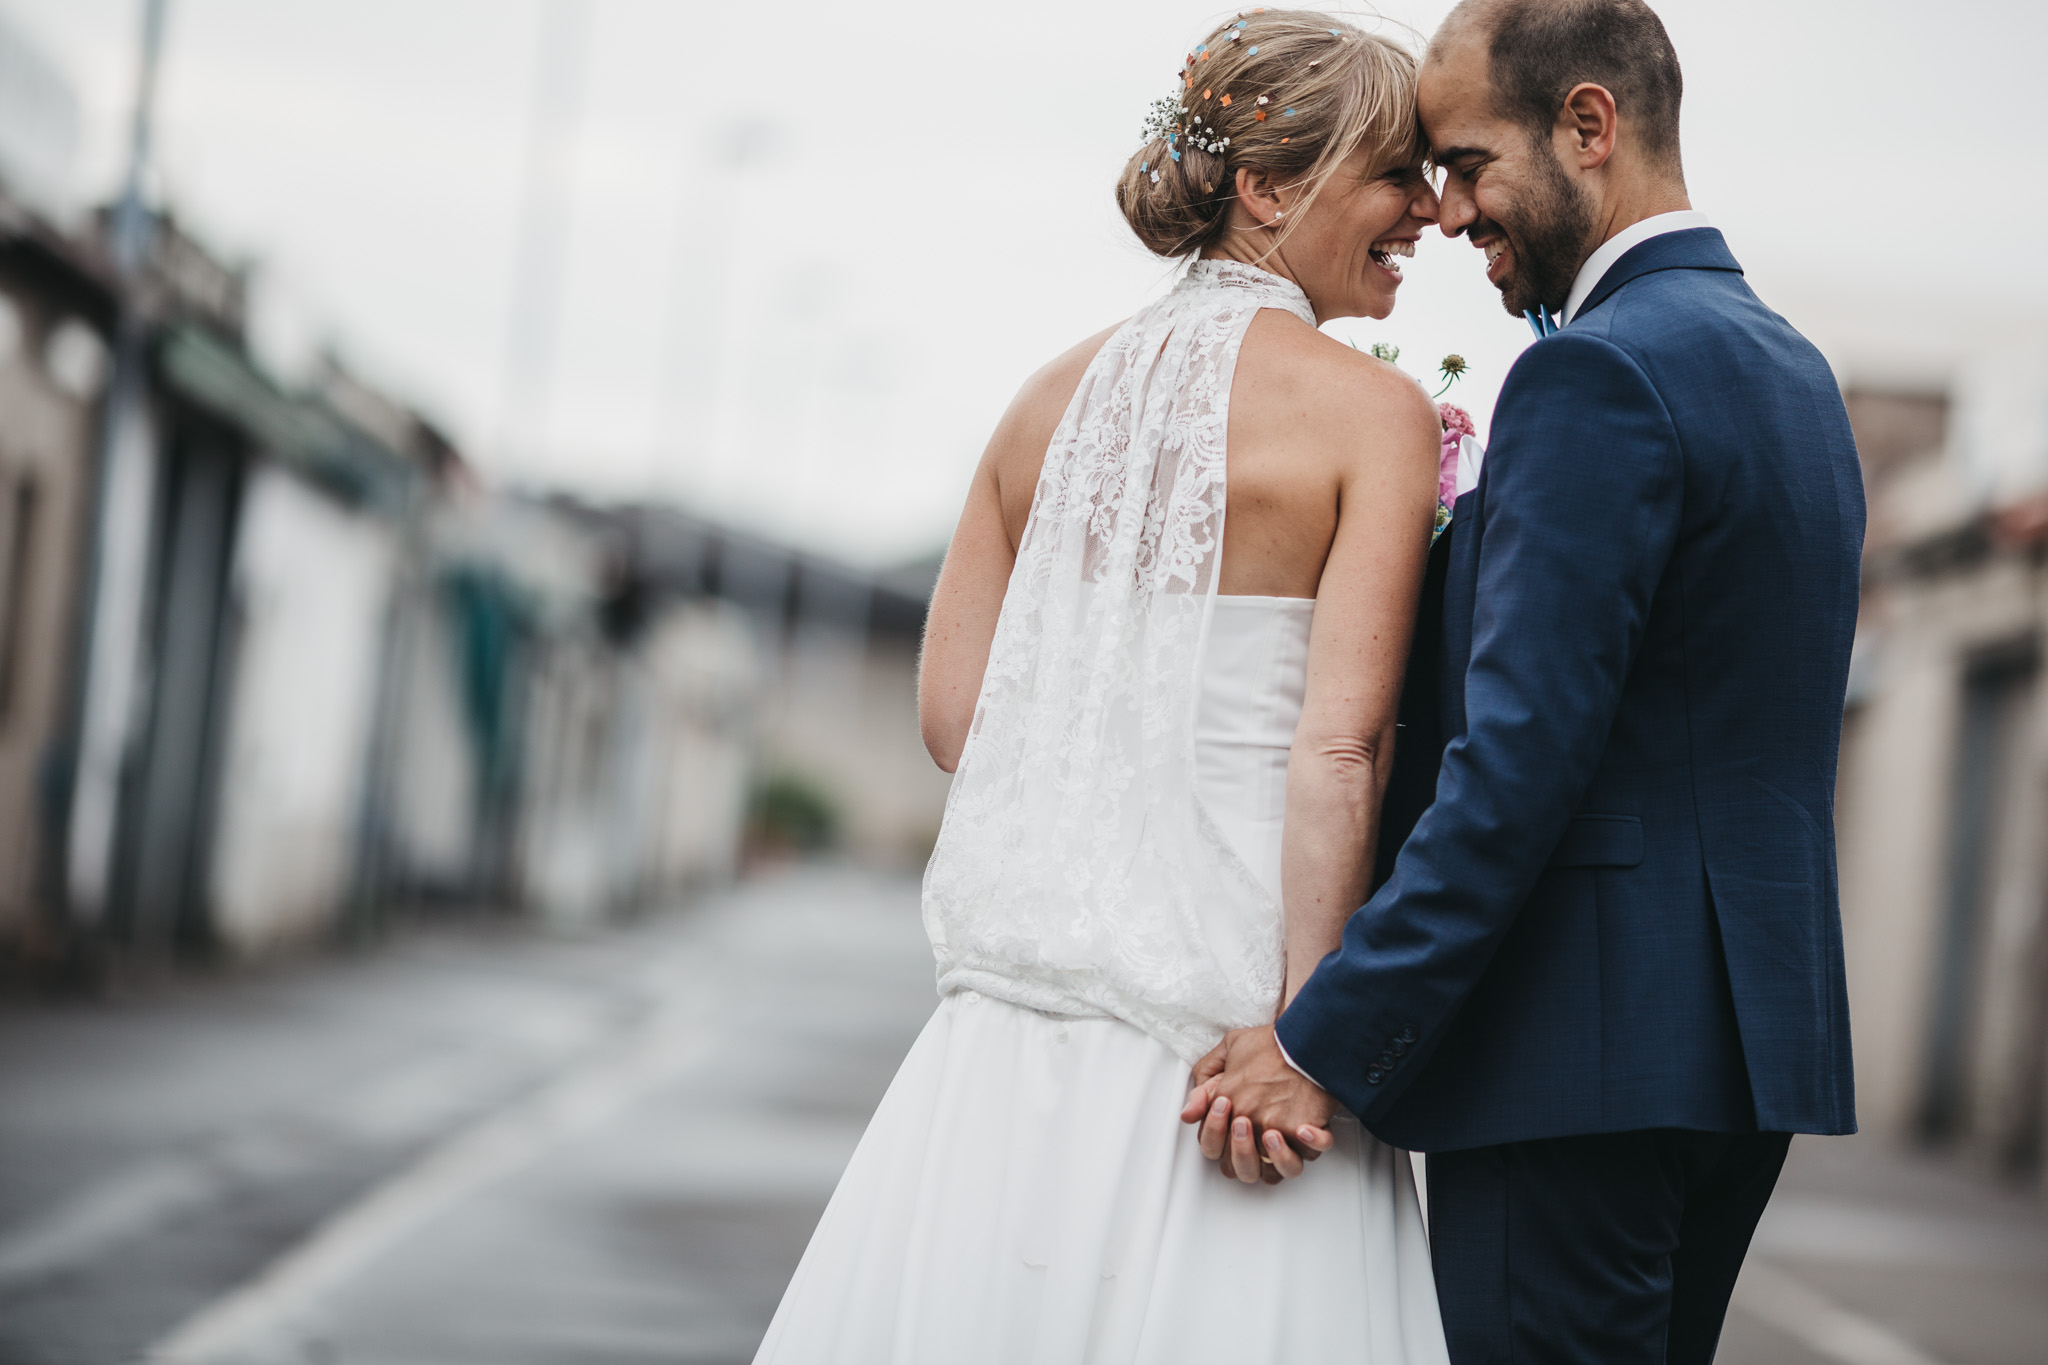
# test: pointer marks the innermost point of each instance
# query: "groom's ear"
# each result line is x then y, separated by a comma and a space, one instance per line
1587, 126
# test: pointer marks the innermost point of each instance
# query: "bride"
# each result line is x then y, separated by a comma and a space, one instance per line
1163, 661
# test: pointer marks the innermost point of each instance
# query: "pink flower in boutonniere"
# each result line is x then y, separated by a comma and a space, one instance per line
1457, 426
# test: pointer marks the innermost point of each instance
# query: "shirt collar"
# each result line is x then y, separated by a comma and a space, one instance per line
1617, 246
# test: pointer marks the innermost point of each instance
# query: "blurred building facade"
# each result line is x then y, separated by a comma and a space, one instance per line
1942, 808
56, 314
274, 660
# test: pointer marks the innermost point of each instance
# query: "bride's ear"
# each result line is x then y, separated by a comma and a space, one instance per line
1258, 196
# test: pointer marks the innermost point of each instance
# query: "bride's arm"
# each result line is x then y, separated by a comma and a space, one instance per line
961, 622
1358, 653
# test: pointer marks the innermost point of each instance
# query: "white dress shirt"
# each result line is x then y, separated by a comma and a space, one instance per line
1471, 454
1614, 248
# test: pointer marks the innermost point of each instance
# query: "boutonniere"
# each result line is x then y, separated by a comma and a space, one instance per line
1458, 428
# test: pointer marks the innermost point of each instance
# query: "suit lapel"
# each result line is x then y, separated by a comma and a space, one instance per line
1691, 249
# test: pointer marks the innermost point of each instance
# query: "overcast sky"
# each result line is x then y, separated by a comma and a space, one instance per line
812, 248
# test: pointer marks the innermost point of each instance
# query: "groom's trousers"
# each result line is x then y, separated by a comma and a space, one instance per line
1616, 1248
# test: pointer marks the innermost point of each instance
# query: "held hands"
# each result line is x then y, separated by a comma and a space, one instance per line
1245, 1086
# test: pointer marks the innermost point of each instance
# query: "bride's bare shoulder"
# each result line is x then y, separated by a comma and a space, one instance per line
1301, 377
1017, 450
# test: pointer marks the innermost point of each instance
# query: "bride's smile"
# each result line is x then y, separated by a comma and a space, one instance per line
1385, 251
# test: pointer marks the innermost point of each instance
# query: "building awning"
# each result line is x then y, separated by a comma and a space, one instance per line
294, 431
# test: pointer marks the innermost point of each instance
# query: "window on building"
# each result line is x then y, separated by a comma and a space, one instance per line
17, 554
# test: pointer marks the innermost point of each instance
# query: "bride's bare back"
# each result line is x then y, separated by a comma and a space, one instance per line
1307, 414
1316, 429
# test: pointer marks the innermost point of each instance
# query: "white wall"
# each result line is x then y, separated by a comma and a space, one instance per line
432, 797
705, 670
640, 765
312, 580
845, 718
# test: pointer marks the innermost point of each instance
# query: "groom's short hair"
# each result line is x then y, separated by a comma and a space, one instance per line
1539, 49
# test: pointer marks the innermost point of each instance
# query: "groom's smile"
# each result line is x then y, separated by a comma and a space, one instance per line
1489, 238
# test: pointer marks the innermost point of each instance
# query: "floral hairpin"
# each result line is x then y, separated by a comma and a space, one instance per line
1205, 137
1162, 120
1169, 122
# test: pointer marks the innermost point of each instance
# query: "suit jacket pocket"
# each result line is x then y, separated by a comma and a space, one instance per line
1600, 841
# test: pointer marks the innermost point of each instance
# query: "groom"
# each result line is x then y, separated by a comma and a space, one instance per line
1603, 984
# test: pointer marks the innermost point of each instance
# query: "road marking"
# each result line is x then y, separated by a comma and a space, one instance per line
406, 1106
478, 1156
110, 1211
1848, 1231
1817, 1322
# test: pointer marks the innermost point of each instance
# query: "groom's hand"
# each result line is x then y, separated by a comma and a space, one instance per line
1245, 1087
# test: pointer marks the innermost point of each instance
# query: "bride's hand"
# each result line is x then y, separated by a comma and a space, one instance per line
1247, 1074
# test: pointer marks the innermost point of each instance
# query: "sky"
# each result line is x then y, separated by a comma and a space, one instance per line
807, 251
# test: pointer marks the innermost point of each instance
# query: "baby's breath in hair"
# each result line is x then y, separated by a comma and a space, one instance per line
1162, 120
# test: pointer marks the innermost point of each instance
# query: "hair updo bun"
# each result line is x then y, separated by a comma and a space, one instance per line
1291, 92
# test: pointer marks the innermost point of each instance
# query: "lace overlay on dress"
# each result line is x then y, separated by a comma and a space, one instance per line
1076, 871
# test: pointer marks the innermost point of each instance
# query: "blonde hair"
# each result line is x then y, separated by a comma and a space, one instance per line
1329, 89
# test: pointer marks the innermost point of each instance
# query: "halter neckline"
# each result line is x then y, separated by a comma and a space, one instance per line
1273, 291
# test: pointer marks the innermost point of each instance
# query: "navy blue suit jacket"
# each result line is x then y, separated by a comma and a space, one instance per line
1619, 911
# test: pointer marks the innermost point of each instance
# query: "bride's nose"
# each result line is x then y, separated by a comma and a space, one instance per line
1425, 207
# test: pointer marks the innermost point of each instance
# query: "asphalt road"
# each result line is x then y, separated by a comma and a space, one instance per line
482, 1145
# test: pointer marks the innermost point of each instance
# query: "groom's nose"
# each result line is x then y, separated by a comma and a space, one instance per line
1456, 209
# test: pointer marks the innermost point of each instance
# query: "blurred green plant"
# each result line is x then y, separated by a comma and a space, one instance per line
789, 813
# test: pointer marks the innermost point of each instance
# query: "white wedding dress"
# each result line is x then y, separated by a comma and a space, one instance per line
1104, 903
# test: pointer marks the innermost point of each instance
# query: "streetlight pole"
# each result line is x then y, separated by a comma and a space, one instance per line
122, 477
131, 219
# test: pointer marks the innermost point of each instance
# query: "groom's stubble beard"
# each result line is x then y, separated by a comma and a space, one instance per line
1551, 232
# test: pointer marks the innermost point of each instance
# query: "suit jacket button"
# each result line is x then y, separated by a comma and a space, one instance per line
1373, 1075
1399, 1049
1384, 1060
1408, 1033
